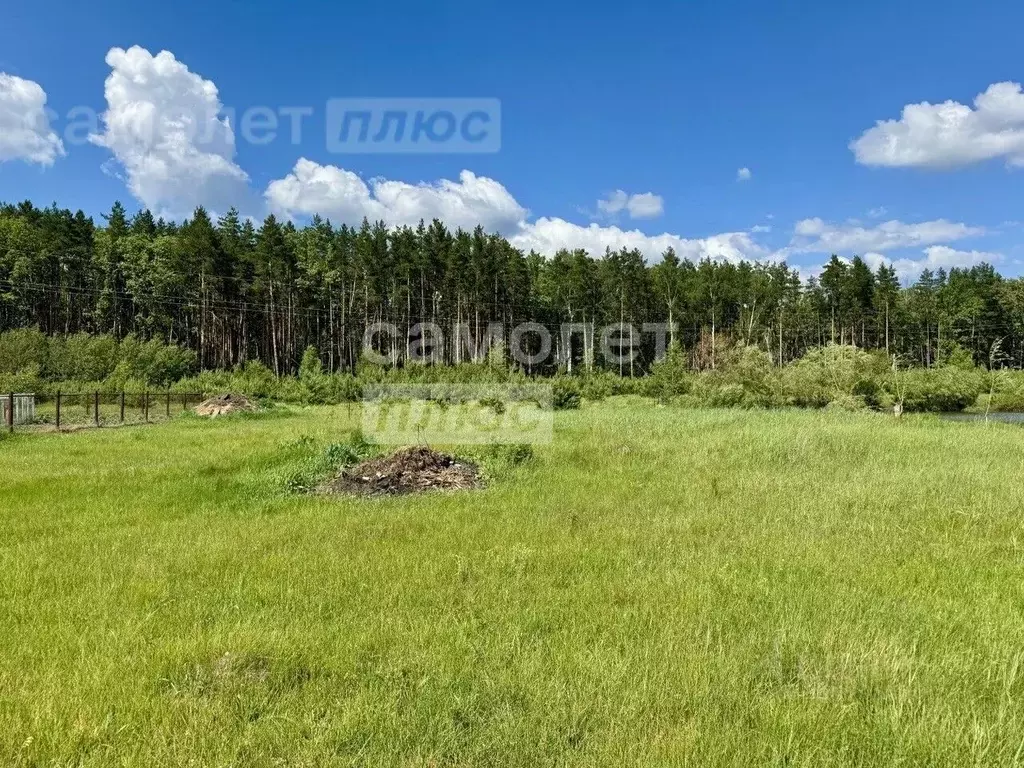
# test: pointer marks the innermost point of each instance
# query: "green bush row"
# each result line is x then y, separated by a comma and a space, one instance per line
832, 376
30, 360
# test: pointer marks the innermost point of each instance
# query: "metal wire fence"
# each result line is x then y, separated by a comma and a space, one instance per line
66, 411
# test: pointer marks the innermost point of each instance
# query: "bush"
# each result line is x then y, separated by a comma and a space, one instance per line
565, 394
599, 384
725, 396
669, 377
496, 404
152, 361
23, 349
310, 367
834, 373
25, 380
940, 389
92, 358
847, 403
744, 376
752, 371
81, 357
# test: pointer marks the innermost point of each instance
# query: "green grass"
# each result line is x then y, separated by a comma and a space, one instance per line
656, 587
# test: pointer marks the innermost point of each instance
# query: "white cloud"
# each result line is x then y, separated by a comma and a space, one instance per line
935, 257
344, 197
759, 228
163, 125
744, 174
818, 236
24, 126
547, 235
950, 134
877, 213
646, 205
471, 201
614, 203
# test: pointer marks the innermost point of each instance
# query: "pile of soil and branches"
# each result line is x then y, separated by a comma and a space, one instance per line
410, 470
221, 405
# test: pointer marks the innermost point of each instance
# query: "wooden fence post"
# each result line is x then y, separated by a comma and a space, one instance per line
96, 408
58, 410
145, 406
10, 412
122, 406
168, 404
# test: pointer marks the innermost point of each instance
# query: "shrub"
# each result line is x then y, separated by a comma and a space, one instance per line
751, 369
845, 402
310, 367
25, 380
565, 394
835, 372
93, 358
669, 377
82, 357
22, 349
723, 395
941, 389
496, 404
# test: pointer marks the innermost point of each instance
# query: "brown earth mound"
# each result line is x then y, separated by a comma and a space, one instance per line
224, 404
411, 470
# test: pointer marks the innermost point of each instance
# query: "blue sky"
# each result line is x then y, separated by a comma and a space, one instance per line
664, 100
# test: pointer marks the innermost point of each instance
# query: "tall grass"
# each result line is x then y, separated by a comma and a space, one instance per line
658, 586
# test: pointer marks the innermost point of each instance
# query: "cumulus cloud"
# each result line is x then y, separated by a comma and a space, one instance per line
949, 134
935, 257
744, 174
819, 236
163, 125
24, 126
547, 235
640, 206
343, 196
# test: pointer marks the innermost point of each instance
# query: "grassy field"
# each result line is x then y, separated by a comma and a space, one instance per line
657, 587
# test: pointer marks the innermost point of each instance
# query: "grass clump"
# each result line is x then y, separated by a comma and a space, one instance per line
319, 466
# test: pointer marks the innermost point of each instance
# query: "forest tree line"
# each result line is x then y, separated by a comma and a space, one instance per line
233, 292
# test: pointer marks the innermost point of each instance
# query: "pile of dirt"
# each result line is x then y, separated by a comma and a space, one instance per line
411, 470
225, 404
